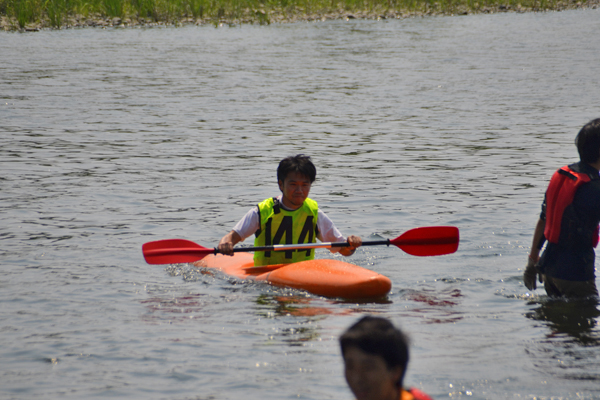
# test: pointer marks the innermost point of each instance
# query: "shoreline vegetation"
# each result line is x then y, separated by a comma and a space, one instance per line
35, 15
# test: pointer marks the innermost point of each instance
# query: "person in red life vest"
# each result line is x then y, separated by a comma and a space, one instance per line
375, 356
569, 223
291, 218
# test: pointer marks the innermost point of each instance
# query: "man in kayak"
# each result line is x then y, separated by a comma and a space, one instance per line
290, 218
375, 360
569, 222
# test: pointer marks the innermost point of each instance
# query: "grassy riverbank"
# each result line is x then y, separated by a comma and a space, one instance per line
40, 14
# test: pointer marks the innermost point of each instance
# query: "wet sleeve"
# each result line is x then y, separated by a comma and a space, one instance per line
328, 231
248, 225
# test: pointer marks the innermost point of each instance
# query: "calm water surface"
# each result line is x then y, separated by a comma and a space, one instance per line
112, 138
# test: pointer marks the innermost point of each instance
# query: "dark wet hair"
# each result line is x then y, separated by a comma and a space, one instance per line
298, 163
588, 142
378, 336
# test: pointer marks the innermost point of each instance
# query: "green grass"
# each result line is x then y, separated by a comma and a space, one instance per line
59, 13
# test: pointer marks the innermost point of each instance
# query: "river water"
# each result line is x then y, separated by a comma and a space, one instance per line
113, 138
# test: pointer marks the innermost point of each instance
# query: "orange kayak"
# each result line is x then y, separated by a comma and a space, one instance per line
330, 278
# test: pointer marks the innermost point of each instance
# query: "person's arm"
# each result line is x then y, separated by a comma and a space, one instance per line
243, 229
531, 272
538, 241
328, 232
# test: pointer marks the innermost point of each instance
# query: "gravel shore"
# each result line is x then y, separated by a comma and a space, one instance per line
275, 16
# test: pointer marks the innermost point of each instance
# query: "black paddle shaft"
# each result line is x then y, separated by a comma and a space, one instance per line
282, 247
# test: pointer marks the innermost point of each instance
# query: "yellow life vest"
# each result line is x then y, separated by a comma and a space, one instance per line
280, 226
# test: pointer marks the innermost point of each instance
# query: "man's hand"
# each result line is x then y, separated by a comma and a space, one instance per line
354, 242
530, 274
227, 242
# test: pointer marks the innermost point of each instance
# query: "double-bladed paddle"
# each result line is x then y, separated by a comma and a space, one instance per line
426, 241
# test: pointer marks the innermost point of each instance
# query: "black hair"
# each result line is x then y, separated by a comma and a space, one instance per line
588, 142
378, 336
298, 163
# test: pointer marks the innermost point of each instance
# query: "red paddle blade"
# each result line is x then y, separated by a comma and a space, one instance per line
429, 241
174, 251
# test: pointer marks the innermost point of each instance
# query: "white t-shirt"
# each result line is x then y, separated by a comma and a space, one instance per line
328, 232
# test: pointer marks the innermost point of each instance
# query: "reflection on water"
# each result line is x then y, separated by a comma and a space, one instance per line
569, 321
570, 349
298, 306
308, 310
435, 306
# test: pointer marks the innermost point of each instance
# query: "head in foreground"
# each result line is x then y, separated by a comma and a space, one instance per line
588, 142
375, 358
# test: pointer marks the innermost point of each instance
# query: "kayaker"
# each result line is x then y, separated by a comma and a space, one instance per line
569, 222
290, 218
375, 359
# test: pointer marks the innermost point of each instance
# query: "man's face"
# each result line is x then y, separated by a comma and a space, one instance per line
369, 377
295, 189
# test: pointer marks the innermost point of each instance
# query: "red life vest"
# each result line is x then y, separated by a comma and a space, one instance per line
413, 394
559, 196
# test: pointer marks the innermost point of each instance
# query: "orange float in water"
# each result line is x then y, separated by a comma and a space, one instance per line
330, 278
